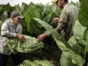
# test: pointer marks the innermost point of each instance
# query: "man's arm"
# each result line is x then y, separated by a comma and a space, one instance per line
59, 26
62, 21
5, 31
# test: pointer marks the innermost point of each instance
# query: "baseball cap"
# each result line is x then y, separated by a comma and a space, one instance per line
54, 1
17, 14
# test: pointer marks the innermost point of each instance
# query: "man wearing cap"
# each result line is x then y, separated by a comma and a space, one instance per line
66, 20
11, 28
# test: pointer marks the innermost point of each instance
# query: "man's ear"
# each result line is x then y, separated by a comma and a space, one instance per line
12, 18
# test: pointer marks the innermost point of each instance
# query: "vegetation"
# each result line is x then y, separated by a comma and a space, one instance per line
38, 19
27, 47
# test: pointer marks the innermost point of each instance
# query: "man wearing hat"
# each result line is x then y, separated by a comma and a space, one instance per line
11, 28
66, 20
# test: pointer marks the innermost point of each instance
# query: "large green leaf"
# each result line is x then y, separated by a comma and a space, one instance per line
78, 46
47, 19
85, 37
24, 7
36, 63
43, 62
78, 28
66, 59
6, 7
32, 12
77, 41
48, 9
83, 13
28, 63
62, 44
83, 19
4, 16
70, 58
0, 25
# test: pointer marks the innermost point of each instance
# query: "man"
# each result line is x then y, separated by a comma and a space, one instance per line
66, 20
11, 28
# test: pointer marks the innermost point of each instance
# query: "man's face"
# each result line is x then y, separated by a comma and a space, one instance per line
16, 20
59, 3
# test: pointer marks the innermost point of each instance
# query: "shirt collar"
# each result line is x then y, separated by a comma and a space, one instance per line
12, 22
66, 5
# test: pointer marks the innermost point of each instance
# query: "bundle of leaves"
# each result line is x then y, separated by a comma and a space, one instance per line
31, 44
36, 63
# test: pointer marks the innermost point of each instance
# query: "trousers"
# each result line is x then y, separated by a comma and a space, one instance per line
15, 58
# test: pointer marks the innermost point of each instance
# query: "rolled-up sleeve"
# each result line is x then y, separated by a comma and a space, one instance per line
62, 21
5, 31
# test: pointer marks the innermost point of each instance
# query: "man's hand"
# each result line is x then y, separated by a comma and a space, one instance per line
42, 37
55, 20
20, 37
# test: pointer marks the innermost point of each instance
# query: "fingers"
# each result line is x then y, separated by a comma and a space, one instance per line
20, 37
55, 20
42, 37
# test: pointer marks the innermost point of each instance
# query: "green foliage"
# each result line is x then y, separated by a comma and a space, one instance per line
77, 4
36, 63
32, 12
74, 51
31, 44
86, 39
50, 12
0, 26
78, 28
5, 11
55, 34
24, 7
73, 57
83, 13
43, 62
83, 19
79, 41
6, 7
4, 16
66, 59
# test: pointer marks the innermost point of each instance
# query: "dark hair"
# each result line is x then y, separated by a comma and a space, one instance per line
66, 0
